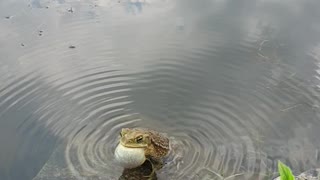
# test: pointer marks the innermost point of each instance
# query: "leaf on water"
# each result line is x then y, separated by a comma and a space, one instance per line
285, 172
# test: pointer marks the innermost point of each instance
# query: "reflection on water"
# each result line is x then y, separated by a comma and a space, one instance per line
134, 6
234, 83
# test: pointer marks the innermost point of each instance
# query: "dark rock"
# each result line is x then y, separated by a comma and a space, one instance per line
143, 172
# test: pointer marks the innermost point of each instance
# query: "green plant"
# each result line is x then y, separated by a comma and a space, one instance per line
285, 172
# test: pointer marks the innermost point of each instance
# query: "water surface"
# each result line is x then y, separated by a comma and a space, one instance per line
236, 83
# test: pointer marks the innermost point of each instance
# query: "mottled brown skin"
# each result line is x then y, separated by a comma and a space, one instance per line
156, 144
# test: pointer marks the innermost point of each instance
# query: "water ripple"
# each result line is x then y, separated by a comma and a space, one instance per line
220, 87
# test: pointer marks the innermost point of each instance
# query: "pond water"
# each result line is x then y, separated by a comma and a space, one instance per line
235, 83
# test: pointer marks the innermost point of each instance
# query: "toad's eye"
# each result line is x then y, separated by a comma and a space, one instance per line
139, 139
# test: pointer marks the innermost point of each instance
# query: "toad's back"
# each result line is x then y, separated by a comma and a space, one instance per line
159, 146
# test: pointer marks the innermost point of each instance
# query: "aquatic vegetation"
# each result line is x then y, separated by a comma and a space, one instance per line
285, 172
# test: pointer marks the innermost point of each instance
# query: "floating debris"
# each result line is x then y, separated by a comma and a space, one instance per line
40, 33
72, 47
70, 10
8, 17
22, 44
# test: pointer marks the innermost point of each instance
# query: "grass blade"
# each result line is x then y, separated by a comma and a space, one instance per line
285, 172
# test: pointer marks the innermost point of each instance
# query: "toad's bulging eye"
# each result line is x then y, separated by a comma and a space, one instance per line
139, 139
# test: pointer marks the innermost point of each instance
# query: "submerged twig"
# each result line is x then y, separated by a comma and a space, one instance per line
291, 107
232, 176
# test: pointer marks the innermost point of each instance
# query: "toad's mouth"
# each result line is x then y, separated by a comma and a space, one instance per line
132, 145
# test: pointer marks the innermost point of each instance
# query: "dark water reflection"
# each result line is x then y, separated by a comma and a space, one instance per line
235, 82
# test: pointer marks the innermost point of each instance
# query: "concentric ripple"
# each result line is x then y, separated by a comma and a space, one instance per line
231, 87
